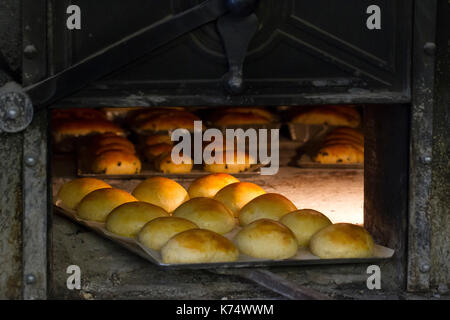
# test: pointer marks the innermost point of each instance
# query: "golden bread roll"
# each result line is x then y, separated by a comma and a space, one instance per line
162, 192
341, 241
165, 164
209, 185
98, 204
339, 153
267, 206
304, 224
237, 195
72, 192
128, 219
77, 128
327, 115
157, 139
154, 151
168, 121
236, 118
241, 163
156, 233
199, 246
347, 132
349, 110
117, 162
266, 239
353, 144
344, 136
257, 111
104, 141
208, 214
144, 114
115, 147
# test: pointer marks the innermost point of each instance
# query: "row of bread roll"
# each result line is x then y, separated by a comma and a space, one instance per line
332, 115
272, 227
112, 155
342, 145
157, 150
180, 240
70, 124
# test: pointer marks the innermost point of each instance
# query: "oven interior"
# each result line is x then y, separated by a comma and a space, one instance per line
356, 195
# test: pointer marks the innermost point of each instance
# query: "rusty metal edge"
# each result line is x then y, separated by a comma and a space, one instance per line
419, 238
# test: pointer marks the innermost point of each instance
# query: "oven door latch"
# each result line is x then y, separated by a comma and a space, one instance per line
236, 22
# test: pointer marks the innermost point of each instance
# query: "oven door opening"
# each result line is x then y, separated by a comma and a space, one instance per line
334, 189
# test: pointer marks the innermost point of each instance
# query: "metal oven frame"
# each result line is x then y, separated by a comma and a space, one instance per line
399, 207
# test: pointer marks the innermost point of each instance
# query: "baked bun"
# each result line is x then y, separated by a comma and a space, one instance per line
168, 121
241, 163
106, 140
129, 218
157, 139
154, 151
342, 240
267, 206
110, 147
162, 192
237, 195
98, 204
262, 112
77, 128
199, 246
266, 239
209, 185
156, 233
348, 132
116, 162
208, 214
165, 164
340, 136
339, 153
237, 118
72, 192
304, 224
329, 115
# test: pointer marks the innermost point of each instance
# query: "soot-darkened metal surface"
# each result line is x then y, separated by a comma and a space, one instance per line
301, 50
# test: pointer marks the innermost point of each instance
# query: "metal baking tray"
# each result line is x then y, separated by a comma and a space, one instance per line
303, 257
148, 171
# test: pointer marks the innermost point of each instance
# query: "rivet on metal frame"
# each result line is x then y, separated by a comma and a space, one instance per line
424, 268
30, 278
426, 159
30, 161
30, 52
430, 48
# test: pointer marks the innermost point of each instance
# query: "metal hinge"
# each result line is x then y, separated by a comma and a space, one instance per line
16, 108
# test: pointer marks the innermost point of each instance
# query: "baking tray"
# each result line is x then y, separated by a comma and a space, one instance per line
147, 171
303, 257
